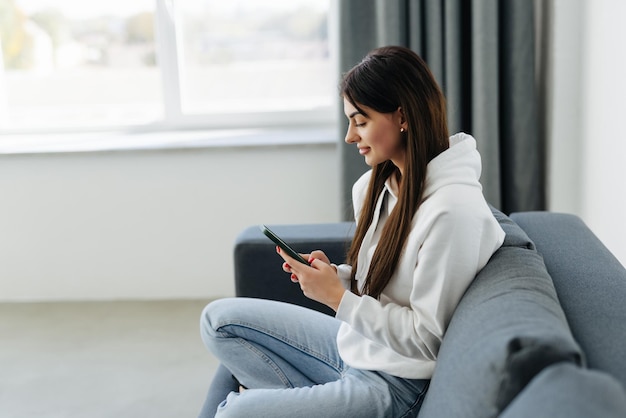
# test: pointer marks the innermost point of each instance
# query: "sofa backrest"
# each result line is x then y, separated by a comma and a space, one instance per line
590, 283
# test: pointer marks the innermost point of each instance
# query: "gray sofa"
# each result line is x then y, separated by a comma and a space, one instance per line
540, 332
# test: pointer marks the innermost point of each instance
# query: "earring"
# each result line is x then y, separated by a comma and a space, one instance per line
402, 130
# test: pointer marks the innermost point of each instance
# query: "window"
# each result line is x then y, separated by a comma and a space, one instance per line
154, 64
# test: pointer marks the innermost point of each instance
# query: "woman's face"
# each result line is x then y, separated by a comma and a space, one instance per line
377, 135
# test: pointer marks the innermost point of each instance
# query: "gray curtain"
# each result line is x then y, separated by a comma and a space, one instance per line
482, 53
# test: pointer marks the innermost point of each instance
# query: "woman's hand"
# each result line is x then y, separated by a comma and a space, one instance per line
319, 281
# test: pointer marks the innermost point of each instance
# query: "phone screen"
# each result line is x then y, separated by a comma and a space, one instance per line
282, 244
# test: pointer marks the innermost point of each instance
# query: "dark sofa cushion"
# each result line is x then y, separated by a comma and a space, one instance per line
567, 391
507, 328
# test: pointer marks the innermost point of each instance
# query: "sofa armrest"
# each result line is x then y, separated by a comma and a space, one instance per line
258, 271
590, 283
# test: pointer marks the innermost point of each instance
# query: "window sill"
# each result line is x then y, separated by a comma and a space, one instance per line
166, 140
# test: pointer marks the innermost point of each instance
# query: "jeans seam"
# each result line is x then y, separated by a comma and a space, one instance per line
417, 402
265, 358
283, 339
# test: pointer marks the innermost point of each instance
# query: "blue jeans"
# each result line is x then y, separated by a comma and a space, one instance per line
287, 357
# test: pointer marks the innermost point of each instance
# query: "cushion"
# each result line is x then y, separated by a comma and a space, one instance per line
590, 282
507, 328
567, 391
515, 236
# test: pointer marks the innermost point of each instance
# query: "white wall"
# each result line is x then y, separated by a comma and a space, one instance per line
604, 140
586, 112
149, 224
565, 106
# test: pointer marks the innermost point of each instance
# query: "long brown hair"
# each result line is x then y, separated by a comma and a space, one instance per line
389, 78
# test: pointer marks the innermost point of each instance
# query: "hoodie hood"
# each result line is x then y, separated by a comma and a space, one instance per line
459, 164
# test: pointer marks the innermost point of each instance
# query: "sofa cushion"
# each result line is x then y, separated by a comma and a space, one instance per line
507, 328
590, 282
567, 391
515, 236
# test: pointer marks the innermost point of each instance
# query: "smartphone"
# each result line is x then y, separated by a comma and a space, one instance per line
282, 244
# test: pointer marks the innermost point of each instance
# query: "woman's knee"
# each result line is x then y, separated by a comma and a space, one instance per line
214, 316
218, 315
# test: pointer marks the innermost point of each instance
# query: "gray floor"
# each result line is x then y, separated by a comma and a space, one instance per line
102, 359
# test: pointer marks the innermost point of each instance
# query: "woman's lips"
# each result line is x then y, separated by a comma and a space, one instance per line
364, 150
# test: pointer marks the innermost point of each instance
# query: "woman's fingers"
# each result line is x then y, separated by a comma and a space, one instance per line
319, 255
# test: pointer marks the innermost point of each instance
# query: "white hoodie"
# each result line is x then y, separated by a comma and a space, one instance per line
453, 236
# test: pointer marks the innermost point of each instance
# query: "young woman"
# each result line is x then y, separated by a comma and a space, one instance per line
423, 232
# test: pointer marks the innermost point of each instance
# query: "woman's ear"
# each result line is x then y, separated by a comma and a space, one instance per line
403, 124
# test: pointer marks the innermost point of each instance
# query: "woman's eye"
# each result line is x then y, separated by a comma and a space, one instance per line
359, 125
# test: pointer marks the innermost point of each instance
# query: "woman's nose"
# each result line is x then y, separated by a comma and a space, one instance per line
350, 138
